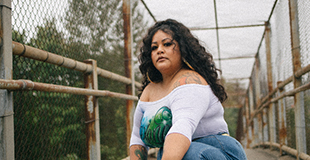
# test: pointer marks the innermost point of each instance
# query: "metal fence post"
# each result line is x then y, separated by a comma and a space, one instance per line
300, 128
92, 114
282, 120
258, 100
6, 97
251, 112
265, 125
271, 108
247, 117
128, 41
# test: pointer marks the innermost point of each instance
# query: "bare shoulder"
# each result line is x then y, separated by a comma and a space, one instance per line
146, 92
189, 77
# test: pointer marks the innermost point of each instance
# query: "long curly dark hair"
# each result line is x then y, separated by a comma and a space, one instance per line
191, 50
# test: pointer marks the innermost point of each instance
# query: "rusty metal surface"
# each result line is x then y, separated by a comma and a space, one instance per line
271, 107
92, 114
128, 68
285, 148
284, 94
29, 85
282, 120
300, 126
116, 77
7, 146
41, 55
298, 73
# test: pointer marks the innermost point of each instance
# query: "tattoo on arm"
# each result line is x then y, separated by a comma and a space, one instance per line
141, 152
188, 78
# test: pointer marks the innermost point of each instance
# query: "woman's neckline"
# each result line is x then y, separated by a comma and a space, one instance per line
177, 88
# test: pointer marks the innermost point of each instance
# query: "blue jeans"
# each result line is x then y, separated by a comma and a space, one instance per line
213, 147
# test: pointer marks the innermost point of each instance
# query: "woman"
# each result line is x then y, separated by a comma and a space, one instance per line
180, 108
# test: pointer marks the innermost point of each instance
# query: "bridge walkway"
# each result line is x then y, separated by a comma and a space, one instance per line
257, 154
266, 154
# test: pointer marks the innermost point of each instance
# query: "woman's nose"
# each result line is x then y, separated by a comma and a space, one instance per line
160, 50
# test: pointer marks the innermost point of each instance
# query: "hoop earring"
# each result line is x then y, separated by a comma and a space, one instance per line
148, 78
188, 64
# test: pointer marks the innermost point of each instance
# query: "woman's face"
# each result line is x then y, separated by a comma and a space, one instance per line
166, 55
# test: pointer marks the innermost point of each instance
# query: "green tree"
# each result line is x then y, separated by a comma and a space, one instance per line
48, 125
99, 25
235, 99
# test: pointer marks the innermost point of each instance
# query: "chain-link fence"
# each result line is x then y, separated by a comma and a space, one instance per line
283, 126
52, 125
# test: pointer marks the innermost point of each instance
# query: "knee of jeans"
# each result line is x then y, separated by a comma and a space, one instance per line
236, 150
212, 154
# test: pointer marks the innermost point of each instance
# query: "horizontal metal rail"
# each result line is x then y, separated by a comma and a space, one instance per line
264, 103
44, 56
285, 148
285, 94
29, 85
227, 27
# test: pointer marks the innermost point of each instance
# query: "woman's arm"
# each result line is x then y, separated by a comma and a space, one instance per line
138, 152
175, 147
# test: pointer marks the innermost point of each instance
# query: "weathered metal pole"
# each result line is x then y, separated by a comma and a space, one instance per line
92, 114
259, 133
127, 57
6, 97
300, 128
251, 111
271, 108
282, 120
247, 117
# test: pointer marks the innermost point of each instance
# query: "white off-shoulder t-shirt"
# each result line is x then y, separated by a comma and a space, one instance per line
196, 112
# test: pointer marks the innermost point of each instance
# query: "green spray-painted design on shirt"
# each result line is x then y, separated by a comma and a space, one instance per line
154, 130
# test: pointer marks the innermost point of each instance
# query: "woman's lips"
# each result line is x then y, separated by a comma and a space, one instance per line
161, 59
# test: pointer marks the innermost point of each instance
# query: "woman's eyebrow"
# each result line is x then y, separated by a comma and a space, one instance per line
166, 39
162, 40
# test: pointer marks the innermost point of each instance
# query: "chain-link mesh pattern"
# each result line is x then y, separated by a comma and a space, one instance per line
282, 68
52, 125
48, 125
304, 29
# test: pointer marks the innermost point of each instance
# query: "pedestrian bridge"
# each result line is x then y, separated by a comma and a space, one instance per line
68, 79
252, 154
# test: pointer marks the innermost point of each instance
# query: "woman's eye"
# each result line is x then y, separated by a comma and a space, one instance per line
153, 48
168, 44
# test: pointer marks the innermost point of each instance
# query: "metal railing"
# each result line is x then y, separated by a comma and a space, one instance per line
45, 113
277, 117
90, 71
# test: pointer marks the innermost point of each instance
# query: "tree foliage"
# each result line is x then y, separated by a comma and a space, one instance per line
48, 125
51, 125
99, 25
233, 101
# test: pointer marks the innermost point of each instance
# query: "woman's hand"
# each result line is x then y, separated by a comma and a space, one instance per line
175, 147
138, 152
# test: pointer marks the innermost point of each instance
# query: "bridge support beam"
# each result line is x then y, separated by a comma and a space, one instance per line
128, 53
271, 108
92, 114
6, 97
300, 128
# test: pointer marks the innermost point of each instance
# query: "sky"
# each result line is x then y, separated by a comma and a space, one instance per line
233, 42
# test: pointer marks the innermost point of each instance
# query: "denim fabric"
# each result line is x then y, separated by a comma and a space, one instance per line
213, 147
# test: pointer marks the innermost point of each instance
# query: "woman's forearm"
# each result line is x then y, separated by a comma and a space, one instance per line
175, 147
138, 152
